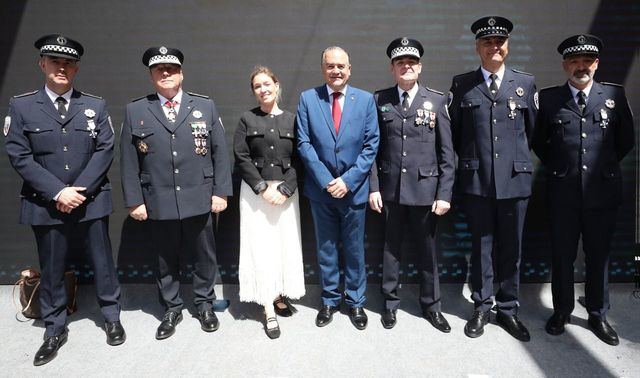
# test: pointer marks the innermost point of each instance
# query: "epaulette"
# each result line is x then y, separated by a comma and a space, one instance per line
612, 84
138, 99
465, 74
198, 95
26, 94
550, 87
521, 72
434, 91
91, 95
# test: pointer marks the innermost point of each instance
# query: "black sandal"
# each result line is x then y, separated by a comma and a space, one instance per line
273, 333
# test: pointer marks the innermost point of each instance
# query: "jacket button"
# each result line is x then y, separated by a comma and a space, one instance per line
584, 135
583, 120
271, 147
173, 136
555, 173
255, 132
255, 163
64, 131
178, 188
495, 138
494, 104
272, 130
66, 167
404, 153
175, 153
271, 165
142, 134
404, 137
34, 195
404, 120
404, 170
65, 149
37, 129
584, 167
497, 155
176, 171
495, 121
583, 151
466, 165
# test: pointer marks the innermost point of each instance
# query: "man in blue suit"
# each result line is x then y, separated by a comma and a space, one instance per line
60, 141
338, 140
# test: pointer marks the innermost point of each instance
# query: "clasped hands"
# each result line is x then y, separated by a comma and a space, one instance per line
70, 198
337, 188
139, 212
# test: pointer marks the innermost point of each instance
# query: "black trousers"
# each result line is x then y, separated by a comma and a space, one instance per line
596, 227
53, 246
420, 223
188, 240
496, 230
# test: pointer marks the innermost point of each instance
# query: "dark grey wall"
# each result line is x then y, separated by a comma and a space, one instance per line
222, 41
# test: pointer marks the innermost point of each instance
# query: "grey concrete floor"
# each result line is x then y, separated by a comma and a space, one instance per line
412, 349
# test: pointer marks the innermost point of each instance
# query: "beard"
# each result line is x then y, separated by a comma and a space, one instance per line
581, 77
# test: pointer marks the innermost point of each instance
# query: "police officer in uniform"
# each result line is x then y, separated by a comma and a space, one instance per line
584, 129
176, 172
492, 118
60, 141
412, 178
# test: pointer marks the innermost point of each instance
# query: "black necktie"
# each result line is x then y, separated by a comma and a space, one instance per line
405, 101
582, 100
62, 110
493, 87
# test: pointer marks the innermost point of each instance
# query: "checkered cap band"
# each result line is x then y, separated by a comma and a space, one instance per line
157, 59
405, 50
59, 49
581, 49
492, 30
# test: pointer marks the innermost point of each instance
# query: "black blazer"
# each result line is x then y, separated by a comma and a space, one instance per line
415, 161
582, 151
265, 149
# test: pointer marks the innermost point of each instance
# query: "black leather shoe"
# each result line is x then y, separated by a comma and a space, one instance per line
358, 317
208, 320
272, 332
283, 307
388, 318
115, 333
475, 325
513, 325
603, 330
555, 324
49, 349
168, 325
437, 320
325, 315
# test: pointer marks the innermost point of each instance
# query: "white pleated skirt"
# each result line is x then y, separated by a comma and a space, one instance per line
270, 248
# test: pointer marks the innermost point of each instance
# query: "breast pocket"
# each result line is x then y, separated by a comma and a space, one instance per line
469, 108
83, 142
558, 124
142, 139
41, 137
255, 132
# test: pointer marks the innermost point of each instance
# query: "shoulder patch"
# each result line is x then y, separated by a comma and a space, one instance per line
198, 95
26, 94
521, 72
434, 91
611, 84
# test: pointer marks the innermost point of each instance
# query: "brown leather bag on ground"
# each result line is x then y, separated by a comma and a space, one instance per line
29, 290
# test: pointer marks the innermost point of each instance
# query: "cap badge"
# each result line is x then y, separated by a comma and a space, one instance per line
404, 41
163, 50
609, 103
61, 40
90, 113
197, 114
520, 91
491, 21
582, 39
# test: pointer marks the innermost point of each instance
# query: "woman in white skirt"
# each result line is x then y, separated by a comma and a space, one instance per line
264, 145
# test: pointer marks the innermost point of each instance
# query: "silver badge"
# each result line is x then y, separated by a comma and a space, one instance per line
535, 101
427, 105
404, 41
609, 103
582, 39
163, 50
90, 113
432, 120
491, 21
91, 126
197, 114
604, 122
61, 40
520, 91
512, 108
7, 125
